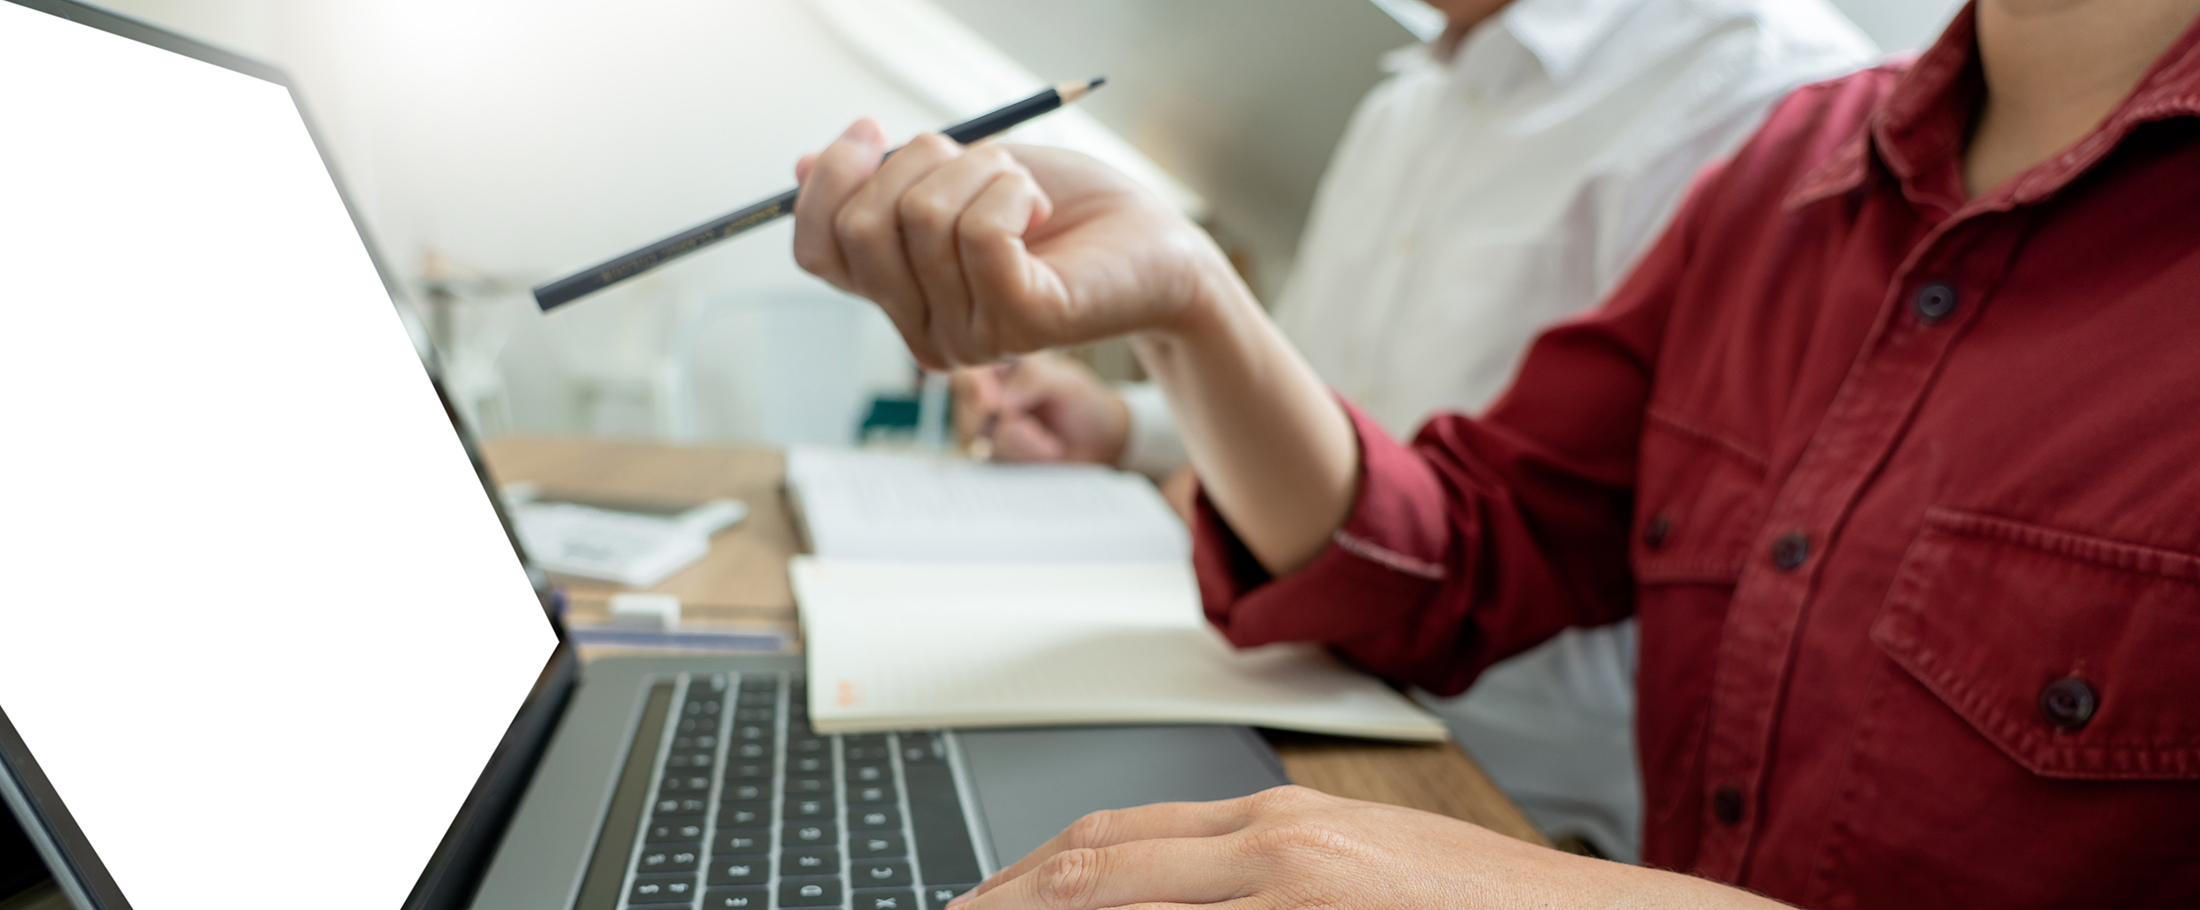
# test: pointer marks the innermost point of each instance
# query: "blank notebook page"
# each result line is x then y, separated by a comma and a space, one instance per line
874, 505
903, 645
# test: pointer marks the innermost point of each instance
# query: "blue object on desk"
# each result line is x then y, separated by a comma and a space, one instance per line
677, 640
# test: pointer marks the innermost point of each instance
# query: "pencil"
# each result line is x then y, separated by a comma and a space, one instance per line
595, 278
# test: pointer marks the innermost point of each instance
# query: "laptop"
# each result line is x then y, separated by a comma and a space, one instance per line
268, 640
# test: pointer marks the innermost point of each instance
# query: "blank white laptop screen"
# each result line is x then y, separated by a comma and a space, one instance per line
262, 627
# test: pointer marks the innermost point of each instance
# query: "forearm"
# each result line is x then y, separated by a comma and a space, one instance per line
1274, 451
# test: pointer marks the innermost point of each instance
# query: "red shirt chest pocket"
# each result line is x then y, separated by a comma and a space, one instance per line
2078, 657
2039, 730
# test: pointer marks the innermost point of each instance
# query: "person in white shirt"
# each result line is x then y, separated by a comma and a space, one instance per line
1504, 177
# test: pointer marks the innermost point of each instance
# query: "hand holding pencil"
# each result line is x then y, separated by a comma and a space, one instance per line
1040, 408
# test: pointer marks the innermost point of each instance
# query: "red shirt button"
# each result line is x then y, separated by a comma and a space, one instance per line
1726, 805
2069, 703
1790, 551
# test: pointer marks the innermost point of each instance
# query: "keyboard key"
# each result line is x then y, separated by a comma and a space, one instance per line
903, 899
799, 809
942, 837
749, 770
667, 831
870, 772
920, 748
872, 793
681, 761
750, 698
809, 892
809, 835
736, 898
810, 764
937, 896
698, 725
752, 751
877, 845
751, 814
875, 752
752, 732
703, 707
662, 889
874, 818
755, 715
743, 791
670, 858
704, 741
823, 861
809, 785
805, 745
685, 805
879, 874
679, 783
741, 841
740, 870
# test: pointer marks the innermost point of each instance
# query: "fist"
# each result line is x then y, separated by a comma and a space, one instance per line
994, 250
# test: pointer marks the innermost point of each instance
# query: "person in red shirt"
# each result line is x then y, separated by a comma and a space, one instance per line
1892, 444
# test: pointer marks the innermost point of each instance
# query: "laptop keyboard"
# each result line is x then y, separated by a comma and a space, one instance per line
753, 810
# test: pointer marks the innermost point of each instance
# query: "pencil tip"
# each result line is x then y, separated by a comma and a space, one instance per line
1097, 81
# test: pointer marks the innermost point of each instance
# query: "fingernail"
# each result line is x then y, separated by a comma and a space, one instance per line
865, 130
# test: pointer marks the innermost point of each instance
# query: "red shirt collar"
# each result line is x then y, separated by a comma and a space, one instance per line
1917, 134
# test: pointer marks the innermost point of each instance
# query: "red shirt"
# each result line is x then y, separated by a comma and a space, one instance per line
1903, 487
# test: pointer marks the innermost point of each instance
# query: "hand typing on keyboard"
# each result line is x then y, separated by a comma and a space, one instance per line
1291, 847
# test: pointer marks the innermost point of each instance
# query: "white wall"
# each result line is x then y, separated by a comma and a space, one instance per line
1900, 25
522, 138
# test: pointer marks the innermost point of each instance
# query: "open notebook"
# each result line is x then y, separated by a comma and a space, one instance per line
951, 633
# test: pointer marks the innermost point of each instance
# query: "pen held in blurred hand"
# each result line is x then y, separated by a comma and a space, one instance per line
590, 280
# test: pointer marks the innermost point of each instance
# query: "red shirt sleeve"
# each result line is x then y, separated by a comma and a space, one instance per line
1485, 536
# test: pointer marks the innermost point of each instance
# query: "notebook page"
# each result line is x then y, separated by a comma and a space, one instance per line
878, 505
895, 646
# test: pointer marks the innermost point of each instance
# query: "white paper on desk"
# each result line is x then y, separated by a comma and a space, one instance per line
619, 547
859, 504
903, 645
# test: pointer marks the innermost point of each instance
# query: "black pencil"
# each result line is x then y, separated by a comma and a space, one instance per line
588, 281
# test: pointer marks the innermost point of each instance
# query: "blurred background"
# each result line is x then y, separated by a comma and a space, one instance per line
491, 144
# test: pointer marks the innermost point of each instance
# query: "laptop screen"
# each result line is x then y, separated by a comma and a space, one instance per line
261, 628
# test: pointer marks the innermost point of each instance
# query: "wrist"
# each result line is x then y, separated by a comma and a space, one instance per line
1216, 302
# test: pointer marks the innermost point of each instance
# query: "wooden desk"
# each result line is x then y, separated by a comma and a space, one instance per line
743, 582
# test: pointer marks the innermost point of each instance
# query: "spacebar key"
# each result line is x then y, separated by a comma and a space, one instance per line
944, 852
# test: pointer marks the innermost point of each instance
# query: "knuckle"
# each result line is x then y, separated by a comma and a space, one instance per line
858, 224
1067, 879
1295, 843
931, 145
1288, 796
1092, 830
993, 155
926, 211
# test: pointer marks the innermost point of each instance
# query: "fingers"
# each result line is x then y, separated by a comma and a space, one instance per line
831, 178
1018, 437
869, 232
998, 267
1196, 870
1163, 821
931, 214
977, 394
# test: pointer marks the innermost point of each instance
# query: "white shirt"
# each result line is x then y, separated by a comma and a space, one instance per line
1474, 202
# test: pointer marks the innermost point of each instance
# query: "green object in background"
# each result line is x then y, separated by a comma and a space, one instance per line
890, 416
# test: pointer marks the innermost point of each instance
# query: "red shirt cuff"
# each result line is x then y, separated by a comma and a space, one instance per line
1366, 584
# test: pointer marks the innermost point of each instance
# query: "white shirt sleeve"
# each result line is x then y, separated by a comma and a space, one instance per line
1155, 448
